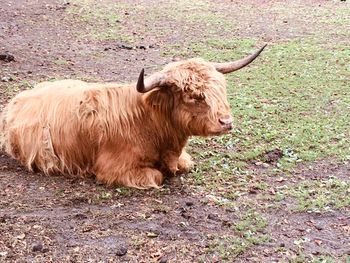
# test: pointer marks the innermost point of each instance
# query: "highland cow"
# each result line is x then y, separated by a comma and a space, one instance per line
131, 135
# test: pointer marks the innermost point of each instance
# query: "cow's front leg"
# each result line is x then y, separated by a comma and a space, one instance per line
178, 163
169, 163
124, 170
185, 163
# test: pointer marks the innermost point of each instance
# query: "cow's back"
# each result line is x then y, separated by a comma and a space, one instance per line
41, 128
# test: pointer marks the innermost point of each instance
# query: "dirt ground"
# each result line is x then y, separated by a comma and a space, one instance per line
60, 219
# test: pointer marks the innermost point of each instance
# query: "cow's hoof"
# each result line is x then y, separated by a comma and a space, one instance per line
185, 164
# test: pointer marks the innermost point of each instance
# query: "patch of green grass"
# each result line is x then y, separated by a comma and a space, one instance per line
294, 98
161, 208
250, 221
11, 89
61, 61
104, 196
249, 232
125, 191
321, 195
189, 14
212, 49
177, 10
113, 21
101, 22
302, 258
323, 259
336, 16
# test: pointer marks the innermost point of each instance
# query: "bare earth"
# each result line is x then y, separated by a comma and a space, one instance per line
60, 219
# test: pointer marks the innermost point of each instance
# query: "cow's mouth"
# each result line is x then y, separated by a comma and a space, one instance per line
227, 127
224, 130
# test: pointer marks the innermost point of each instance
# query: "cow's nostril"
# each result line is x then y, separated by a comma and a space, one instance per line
226, 120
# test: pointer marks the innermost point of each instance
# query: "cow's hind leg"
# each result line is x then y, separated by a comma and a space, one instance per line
142, 178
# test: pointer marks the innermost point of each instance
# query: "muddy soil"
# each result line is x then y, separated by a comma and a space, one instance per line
62, 219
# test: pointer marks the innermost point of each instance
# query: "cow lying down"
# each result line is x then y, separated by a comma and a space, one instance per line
131, 135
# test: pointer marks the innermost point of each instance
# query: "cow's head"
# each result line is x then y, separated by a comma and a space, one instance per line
192, 94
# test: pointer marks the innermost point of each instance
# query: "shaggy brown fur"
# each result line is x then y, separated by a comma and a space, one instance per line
112, 131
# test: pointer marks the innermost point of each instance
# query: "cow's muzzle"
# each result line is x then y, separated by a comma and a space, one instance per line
226, 122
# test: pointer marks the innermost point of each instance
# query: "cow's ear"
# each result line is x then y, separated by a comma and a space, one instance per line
161, 100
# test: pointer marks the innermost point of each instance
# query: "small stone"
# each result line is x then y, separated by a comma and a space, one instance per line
37, 247
7, 57
21, 236
183, 224
121, 251
163, 259
265, 165
318, 227
10, 255
122, 46
3, 254
318, 242
80, 216
253, 191
5, 79
213, 217
152, 234
189, 203
185, 215
226, 223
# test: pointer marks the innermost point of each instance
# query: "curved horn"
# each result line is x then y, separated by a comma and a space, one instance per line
238, 64
150, 83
